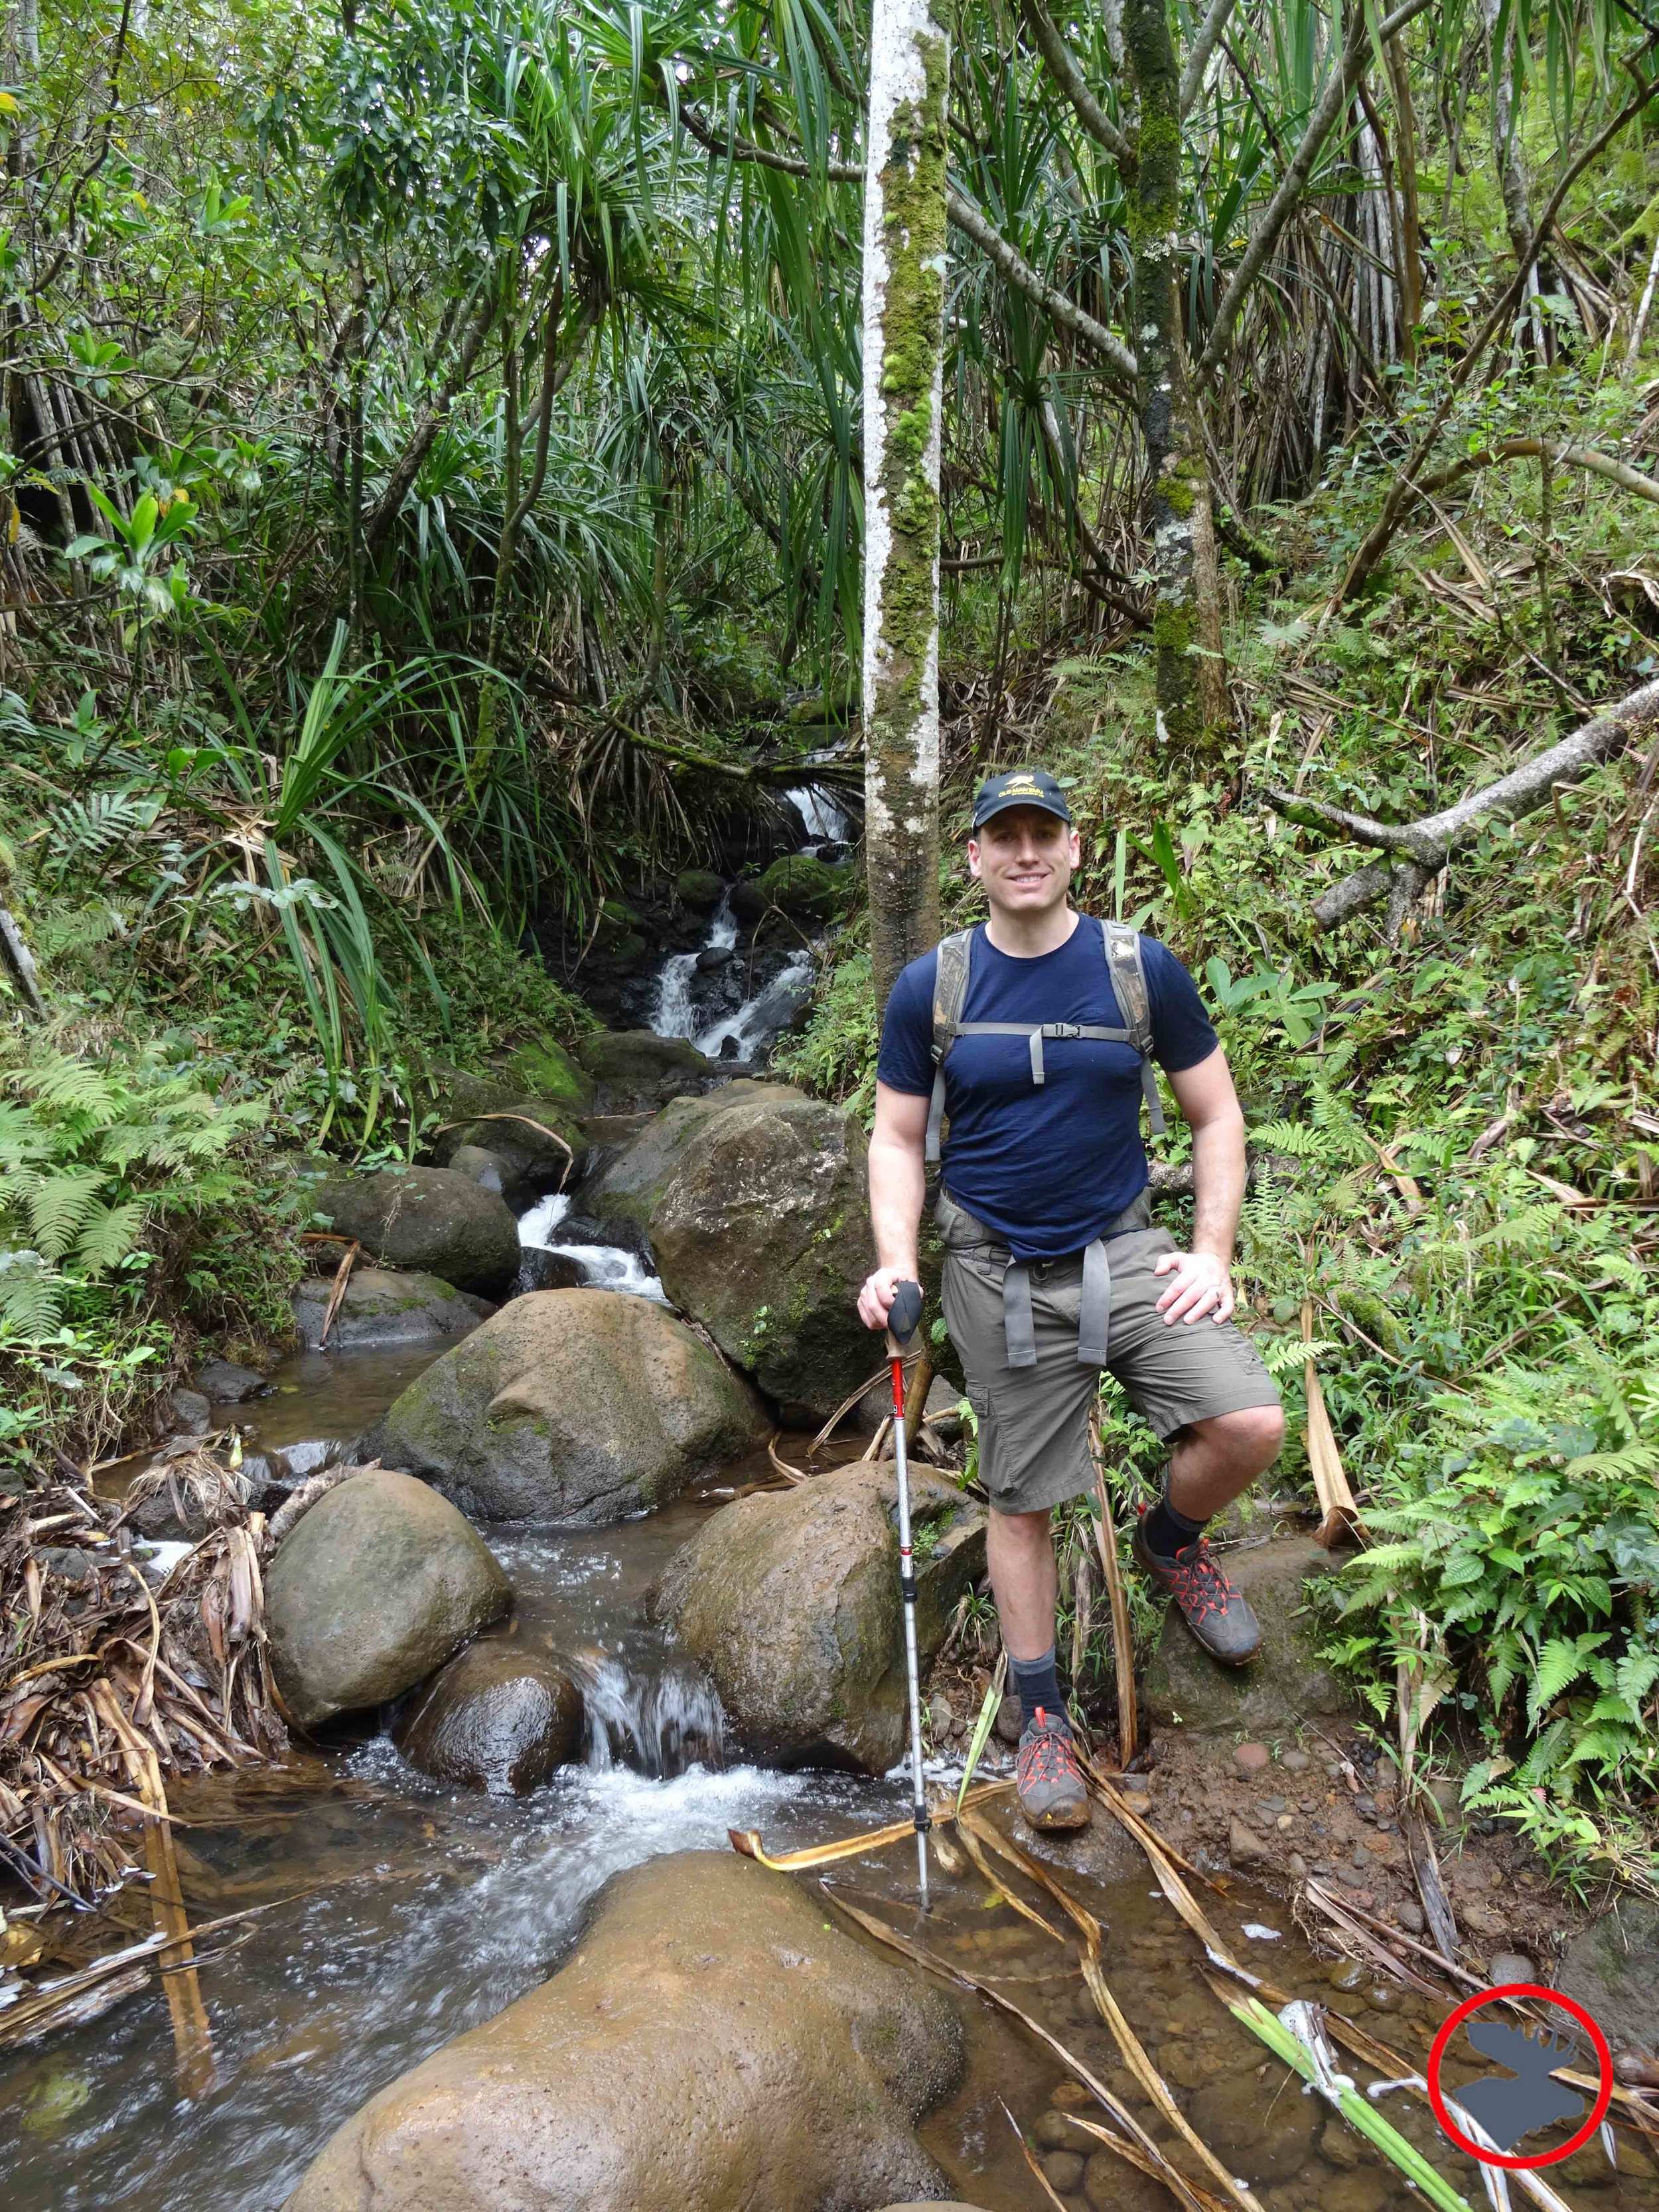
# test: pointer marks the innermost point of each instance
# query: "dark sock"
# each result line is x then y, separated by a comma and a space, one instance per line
1165, 1532
1036, 1683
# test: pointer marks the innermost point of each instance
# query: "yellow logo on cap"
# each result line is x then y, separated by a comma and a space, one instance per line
1020, 783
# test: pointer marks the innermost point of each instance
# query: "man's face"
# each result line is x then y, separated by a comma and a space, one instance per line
1025, 856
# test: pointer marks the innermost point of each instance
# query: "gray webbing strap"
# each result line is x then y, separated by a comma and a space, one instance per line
1154, 1104
1094, 1324
935, 1117
1039, 1073
1018, 1331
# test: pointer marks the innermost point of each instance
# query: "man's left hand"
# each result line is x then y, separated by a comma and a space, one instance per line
1202, 1285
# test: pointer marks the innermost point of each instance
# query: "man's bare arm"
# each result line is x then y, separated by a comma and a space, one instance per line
897, 1181
1210, 1106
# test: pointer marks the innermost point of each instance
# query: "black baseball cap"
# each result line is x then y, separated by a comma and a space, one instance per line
1020, 787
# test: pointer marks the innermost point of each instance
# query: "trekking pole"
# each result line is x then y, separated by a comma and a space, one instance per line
904, 1317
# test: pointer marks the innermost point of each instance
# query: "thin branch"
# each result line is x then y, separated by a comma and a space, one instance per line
1204, 45
1067, 73
1516, 449
1425, 845
1015, 269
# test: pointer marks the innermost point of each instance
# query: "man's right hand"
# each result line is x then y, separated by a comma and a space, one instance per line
876, 1298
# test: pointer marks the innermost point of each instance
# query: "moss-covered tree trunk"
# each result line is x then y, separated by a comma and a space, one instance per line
1192, 687
905, 244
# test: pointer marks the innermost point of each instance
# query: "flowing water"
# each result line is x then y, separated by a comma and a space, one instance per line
604, 1266
405, 1913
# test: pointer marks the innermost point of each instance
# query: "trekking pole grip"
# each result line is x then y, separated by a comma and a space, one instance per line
904, 1315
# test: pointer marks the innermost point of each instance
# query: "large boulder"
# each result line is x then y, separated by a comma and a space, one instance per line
798, 885
762, 1233
1612, 1970
715, 2041
427, 1218
790, 1602
545, 1070
498, 1717
371, 1591
640, 1066
1286, 1681
578, 1404
536, 1141
629, 1180
380, 1308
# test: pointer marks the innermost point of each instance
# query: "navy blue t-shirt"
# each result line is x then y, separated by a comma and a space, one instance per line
1045, 1167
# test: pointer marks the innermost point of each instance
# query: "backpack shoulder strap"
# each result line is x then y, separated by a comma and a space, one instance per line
1127, 969
950, 990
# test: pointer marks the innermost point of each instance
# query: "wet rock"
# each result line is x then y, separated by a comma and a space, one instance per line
381, 1308
535, 1142
798, 885
570, 1405
1010, 1721
1295, 1762
371, 1590
1103, 2182
713, 2041
1253, 1759
639, 1066
546, 1070
498, 1717
1612, 1970
1244, 1847
628, 1180
762, 1233
1510, 1966
1409, 1915
1283, 1683
1339, 2146
428, 1219
478, 1164
699, 889
192, 1414
541, 1270
1063, 2171
1361, 2190
225, 1383
1262, 2137
790, 1602
1054, 2131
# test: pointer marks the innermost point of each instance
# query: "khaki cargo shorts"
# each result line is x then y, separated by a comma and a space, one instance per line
1034, 1421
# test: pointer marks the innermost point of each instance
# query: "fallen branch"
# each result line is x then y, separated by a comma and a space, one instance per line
1425, 845
1519, 449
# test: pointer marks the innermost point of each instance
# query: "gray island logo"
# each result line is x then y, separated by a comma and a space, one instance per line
1518, 2103
1495, 2113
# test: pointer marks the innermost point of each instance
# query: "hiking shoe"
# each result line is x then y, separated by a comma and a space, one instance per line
1052, 1793
1217, 1612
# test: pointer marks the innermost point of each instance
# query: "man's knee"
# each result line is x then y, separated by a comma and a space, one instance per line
1250, 1438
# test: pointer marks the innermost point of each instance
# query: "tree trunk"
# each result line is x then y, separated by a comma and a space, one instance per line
1192, 692
1505, 130
905, 250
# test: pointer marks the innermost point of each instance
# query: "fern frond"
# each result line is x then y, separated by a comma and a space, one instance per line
60, 1205
110, 1235
31, 1298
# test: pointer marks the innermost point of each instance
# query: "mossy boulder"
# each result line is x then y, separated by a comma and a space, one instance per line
803, 888
544, 1069
538, 1141
371, 1591
762, 1233
698, 888
790, 1601
381, 1308
578, 1404
715, 2041
629, 1180
429, 1219
1612, 1970
1284, 1682
498, 1717
637, 1067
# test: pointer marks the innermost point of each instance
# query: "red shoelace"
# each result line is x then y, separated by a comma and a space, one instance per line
1047, 1755
1200, 1588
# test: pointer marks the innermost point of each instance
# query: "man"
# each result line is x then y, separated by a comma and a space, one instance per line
1052, 1267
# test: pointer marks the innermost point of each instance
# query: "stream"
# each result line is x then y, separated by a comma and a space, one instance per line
407, 1913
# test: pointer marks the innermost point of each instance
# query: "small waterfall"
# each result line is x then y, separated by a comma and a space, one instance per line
604, 1266
673, 1014
762, 1018
827, 822
657, 1724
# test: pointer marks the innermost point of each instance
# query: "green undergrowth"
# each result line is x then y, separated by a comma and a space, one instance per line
1456, 1133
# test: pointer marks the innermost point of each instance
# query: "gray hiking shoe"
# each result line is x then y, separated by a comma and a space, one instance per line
1213, 1607
1052, 1792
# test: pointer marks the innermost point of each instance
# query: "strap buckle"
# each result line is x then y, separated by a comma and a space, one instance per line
1063, 1029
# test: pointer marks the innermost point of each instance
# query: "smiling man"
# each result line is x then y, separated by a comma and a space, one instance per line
1032, 1037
